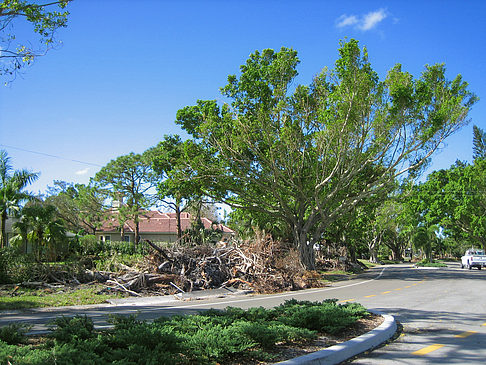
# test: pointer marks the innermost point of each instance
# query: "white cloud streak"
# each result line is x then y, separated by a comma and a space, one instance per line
364, 22
346, 20
82, 172
370, 20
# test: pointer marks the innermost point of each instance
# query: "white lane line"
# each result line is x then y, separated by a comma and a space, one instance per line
290, 294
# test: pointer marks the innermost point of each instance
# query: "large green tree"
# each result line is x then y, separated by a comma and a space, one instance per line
80, 206
455, 200
306, 155
12, 193
176, 181
46, 17
128, 179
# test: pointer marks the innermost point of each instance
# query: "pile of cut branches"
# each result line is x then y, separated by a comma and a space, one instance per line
264, 266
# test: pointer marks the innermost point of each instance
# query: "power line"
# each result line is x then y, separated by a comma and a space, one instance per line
53, 156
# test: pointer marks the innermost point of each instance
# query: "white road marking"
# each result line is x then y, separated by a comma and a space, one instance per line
290, 294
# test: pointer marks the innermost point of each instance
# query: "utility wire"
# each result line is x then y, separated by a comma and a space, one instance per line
53, 156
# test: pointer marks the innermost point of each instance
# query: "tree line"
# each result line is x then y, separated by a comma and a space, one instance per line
332, 162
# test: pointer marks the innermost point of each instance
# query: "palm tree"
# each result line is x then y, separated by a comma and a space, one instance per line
12, 184
21, 229
43, 225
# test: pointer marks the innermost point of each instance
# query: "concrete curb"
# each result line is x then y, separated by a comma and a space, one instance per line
339, 353
179, 297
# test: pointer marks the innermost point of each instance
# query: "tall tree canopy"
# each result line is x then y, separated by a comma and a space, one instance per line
177, 186
306, 155
45, 16
455, 199
128, 178
479, 143
12, 193
80, 206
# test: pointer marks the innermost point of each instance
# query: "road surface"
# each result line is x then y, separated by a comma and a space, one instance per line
442, 311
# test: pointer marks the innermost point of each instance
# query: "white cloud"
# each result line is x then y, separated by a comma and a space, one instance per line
370, 20
82, 172
346, 20
363, 22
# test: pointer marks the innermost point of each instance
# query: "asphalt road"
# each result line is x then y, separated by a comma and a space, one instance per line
442, 311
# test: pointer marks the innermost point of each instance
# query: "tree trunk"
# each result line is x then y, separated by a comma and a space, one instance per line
137, 233
306, 250
178, 218
3, 242
373, 250
352, 253
397, 248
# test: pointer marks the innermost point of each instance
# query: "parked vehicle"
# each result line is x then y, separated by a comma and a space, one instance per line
473, 258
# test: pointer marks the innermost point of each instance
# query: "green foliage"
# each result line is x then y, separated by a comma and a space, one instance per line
80, 206
330, 318
14, 333
45, 21
75, 328
35, 298
453, 199
209, 338
12, 194
91, 245
479, 143
44, 229
16, 266
305, 156
426, 263
127, 179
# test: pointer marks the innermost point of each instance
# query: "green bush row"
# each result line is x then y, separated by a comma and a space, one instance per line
208, 338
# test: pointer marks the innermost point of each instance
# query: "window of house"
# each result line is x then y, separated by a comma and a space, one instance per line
107, 238
126, 238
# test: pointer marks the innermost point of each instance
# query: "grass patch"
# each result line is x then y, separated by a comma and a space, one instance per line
23, 298
367, 263
336, 275
212, 337
430, 264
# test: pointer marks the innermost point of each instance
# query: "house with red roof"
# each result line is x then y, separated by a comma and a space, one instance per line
154, 225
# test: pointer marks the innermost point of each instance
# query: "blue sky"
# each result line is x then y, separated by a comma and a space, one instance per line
126, 67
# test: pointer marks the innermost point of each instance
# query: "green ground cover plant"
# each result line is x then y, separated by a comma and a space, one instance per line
212, 337
426, 263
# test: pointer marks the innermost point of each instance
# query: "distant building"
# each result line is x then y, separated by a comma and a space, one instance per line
153, 225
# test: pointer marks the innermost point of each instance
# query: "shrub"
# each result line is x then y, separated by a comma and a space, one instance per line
214, 336
89, 245
327, 317
16, 266
69, 329
214, 343
14, 333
